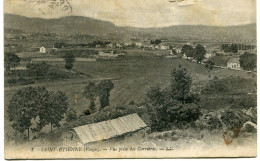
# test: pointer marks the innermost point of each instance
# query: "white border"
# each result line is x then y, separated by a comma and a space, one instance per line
2, 90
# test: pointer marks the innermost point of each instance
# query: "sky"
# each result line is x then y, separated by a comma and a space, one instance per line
142, 13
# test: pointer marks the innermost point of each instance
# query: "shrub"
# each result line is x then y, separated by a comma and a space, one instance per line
132, 102
38, 69
209, 121
176, 113
249, 128
71, 115
20, 81
69, 59
232, 119
215, 87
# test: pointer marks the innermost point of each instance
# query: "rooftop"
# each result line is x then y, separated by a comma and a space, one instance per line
109, 129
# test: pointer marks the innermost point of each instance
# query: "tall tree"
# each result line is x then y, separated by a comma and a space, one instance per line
199, 52
248, 61
104, 88
157, 41
69, 59
24, 106
180, 84
36, 102
11, 60
57, 106
235, 48
188, 50
90, 92
175, 105
155, 96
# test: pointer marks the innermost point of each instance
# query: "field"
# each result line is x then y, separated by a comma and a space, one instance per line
132, 76
221, 60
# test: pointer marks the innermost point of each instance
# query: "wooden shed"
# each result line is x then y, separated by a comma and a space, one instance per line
104, 131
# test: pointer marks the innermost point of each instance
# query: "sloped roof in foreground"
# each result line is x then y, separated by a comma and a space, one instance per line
110, 128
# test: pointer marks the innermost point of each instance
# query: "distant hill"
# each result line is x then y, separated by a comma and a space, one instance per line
86, 25
70, 25
243, 32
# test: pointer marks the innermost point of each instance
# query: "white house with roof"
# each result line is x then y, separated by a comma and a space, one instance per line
233, 63
209, 55
138, 44
111, 45
165, 47
42, 49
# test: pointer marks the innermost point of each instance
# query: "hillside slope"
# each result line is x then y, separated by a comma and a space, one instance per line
86, 25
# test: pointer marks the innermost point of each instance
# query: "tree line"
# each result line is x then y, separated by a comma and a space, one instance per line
198, 52
235, 47
11, 60
37, 104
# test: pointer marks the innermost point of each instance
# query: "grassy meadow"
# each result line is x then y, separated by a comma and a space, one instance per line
133, 75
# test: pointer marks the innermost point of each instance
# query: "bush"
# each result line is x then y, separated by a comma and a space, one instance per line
71, 115
244, 102
249, 128
215, 78
215, 87
69, 59
248, 61
20, 81
209, 121
176, 114
69, 66
38, 69
132, 102
232, 119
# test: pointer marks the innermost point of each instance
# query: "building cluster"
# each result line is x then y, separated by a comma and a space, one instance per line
143, 45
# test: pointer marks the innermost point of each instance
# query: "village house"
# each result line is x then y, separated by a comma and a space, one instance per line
209, 55
233, 63
119, 45
42, 49
146, 44
157, 47
45, 49
111, 45
127, 44
151, 46
18, 68
164, 47
138, 44
110, 131
184, 56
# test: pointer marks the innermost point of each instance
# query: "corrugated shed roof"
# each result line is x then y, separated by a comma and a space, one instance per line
109, 129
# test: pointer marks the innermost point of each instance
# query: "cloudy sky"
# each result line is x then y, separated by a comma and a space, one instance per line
143, 13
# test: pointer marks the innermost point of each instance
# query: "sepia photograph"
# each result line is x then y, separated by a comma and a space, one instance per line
129, 79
